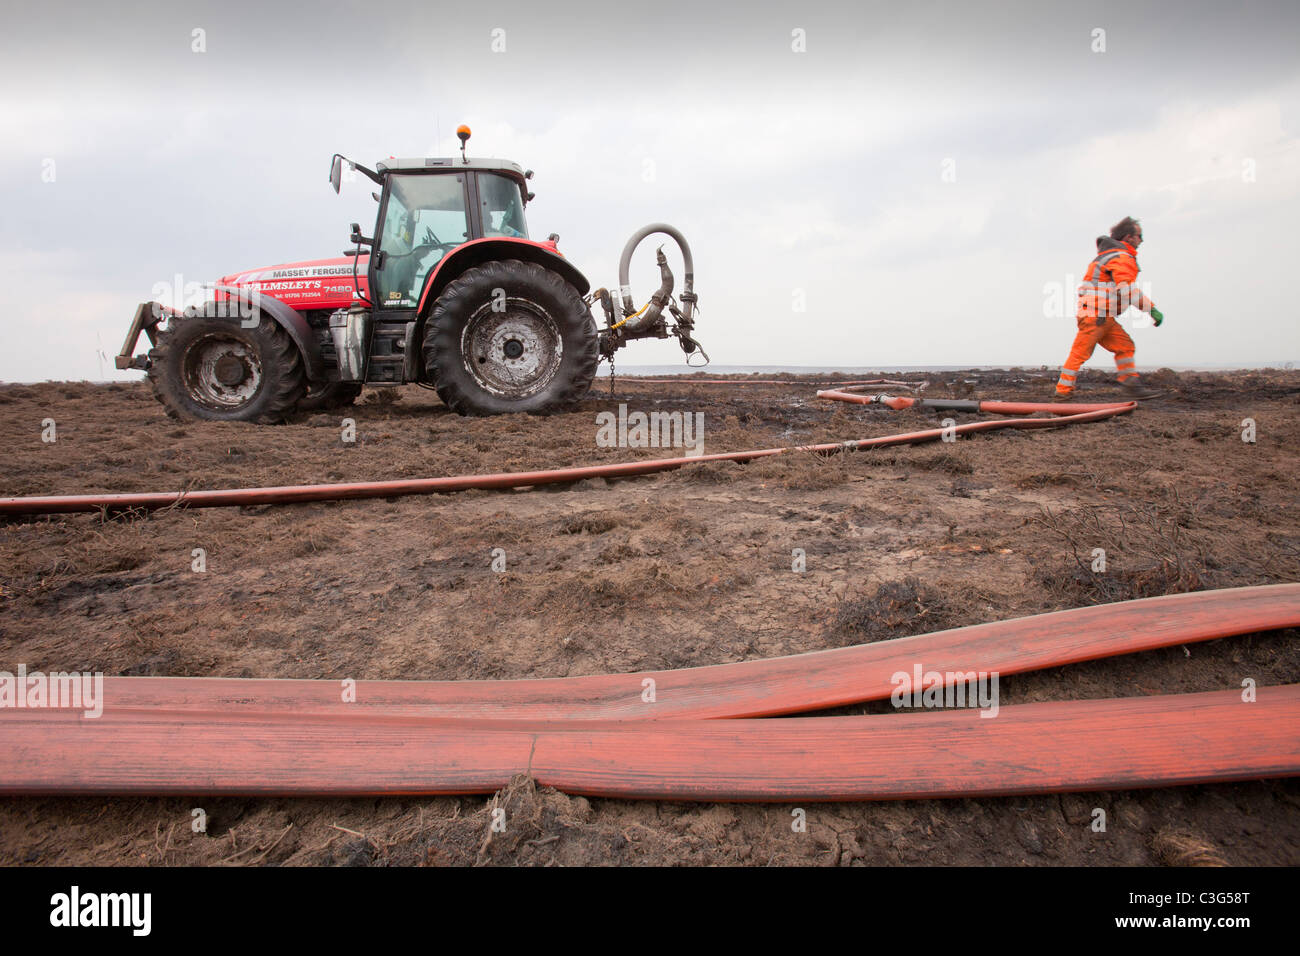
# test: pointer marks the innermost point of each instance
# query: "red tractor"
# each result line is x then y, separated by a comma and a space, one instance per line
449, 293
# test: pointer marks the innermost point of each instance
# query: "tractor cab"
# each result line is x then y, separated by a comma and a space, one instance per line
430, 206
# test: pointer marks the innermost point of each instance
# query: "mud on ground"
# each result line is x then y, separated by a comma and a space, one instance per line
688, 568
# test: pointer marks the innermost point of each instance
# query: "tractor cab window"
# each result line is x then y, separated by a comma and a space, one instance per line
424, 220
503, 206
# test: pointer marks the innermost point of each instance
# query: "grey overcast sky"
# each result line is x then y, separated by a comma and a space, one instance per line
920, 185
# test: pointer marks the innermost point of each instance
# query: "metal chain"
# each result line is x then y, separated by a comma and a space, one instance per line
611, 374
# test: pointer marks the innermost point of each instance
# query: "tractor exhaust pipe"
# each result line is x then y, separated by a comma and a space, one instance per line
650, 317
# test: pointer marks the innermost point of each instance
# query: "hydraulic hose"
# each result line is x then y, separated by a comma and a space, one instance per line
291, 494
761, 688
1027, 748
649, 316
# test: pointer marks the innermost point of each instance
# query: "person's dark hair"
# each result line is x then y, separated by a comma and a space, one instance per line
1124, 228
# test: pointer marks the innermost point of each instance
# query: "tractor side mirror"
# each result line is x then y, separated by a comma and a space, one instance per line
336, 172
358, 238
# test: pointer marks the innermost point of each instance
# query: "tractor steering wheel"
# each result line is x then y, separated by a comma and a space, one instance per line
424, 246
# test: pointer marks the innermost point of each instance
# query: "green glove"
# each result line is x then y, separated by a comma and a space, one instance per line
1157, 316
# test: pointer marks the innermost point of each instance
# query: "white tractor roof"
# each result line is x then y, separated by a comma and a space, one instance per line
444, 163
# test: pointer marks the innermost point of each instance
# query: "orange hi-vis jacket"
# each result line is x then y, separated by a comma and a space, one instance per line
1109, 286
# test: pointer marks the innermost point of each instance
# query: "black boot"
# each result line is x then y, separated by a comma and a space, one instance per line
1136, 391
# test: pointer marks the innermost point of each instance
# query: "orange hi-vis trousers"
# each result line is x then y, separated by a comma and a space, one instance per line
1111, 336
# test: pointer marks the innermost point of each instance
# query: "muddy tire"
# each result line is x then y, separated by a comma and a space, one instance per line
536, 351
214, 369
329, 395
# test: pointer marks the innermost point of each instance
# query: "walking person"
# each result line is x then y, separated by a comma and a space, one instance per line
1109, 287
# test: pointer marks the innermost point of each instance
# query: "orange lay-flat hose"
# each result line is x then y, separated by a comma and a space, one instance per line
61, 504
633, 380
1002, 408
782, 685
1026, 748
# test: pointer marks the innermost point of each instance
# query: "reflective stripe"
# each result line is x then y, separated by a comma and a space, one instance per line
1118, 297
1098, 264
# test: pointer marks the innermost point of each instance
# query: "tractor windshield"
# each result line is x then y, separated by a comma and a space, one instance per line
424, 220
503, 206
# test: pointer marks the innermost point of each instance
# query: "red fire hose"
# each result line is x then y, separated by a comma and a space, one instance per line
203, 736
633, 380
898, 403
761, 688
1067, 414
1026, 748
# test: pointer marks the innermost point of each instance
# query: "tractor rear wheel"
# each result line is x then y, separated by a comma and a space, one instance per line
329, 395
510, 336
214, 369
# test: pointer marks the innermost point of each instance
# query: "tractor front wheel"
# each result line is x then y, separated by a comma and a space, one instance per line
510, 336
214, 369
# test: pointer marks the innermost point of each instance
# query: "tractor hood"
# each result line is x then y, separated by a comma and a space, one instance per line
315, 284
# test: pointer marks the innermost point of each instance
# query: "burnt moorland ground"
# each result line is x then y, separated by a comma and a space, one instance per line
686, 568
